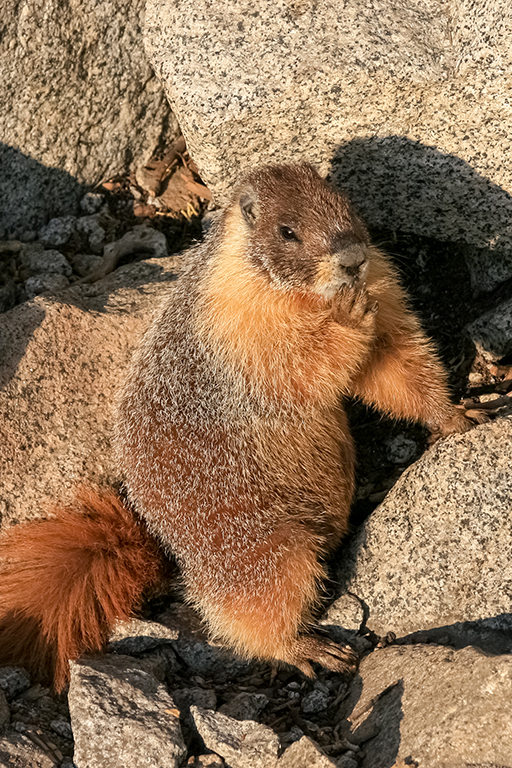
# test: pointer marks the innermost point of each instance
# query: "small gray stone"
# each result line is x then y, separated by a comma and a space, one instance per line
315, 701
92, 202
136, 636
13, 680
47, 704
62, 728
294, 734
28, 236
305, 754
401, 449
345, 761
486, 271
89, 227
205, 698
492, 332
58, 231
245, 706
47, 283
122, 717
40, 261
243, 744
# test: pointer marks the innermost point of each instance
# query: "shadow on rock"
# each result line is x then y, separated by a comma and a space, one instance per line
492, 635
15, 333
31, 193
393, 180
382, 717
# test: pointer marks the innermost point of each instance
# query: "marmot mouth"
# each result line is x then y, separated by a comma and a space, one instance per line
345, 269
329, 290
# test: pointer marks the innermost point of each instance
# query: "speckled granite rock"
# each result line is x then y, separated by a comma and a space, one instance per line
78, 103
438, 551
122, 717
136, 636
243, 744
61, 364
304, 753
492, 332
446, 709
405, 103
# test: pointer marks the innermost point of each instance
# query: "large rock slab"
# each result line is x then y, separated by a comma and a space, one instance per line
122, 716
438, 550
432, 707
78, 103
62, 360
400, 101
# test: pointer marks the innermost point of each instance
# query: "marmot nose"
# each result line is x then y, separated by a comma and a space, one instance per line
352, 258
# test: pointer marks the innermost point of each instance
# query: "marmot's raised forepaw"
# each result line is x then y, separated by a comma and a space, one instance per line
354, 307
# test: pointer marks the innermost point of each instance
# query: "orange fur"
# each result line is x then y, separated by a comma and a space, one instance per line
402, 375
64, 581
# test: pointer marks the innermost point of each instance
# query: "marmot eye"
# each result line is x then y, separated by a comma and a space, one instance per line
288, 233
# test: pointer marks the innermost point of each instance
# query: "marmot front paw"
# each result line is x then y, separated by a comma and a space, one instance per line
355, 308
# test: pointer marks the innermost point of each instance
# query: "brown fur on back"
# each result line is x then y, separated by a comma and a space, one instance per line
65, 581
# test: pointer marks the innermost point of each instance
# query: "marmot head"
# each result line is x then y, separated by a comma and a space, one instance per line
301, 231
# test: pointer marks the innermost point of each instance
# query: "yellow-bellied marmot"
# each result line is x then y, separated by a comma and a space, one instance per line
232, 437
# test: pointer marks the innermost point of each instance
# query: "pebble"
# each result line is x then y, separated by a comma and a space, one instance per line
45, 283
347, 762
62, 728
401, 449
42, 262
316, 701
13, 680
91, 202
58, 231
90, 228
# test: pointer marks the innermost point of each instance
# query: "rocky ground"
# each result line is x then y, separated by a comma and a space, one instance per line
164, 695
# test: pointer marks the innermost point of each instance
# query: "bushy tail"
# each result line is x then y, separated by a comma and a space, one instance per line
65, 580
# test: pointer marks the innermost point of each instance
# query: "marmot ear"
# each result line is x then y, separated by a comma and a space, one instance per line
248, 200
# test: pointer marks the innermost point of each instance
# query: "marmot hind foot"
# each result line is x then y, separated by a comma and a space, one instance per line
313, 648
